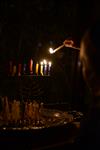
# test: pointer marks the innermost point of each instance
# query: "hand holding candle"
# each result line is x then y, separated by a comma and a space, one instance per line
68, 43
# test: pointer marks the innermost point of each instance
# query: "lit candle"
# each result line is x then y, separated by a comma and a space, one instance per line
41, 68
45, 67
37, 68
31, 66
49, 67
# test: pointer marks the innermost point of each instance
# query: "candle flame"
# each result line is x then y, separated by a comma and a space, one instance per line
51, 50
45, 62
41, 62
50, 63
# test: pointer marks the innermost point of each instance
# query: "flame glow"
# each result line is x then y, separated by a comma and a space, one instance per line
51, 50
49, 63
45, 62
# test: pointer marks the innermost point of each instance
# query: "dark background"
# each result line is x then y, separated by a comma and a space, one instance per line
28, 28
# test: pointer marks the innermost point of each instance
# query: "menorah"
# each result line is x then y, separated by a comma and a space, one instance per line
30, 115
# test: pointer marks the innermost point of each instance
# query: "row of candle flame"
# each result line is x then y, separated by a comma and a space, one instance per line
42, 68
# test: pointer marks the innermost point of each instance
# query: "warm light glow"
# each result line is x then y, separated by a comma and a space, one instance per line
41, 68
49, 63
57, 114
45, 62
51, 50
41, 62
